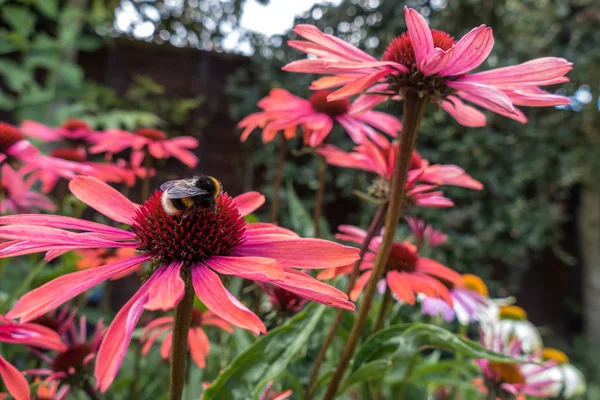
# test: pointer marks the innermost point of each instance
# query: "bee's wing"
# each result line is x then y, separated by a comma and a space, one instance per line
167, 185
180, 191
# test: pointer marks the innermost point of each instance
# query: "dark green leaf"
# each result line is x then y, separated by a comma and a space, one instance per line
19, 18
48, 7
15, 77
268, 357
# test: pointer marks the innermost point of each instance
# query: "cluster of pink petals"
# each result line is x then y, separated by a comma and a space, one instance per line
75, 130
424, 276
369, 157
283, 111
159, 146
198, 342
529, 368
17, 196
267, 253
497, 90
424, 233
28, 334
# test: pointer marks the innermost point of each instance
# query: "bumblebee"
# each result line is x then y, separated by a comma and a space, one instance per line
186, 195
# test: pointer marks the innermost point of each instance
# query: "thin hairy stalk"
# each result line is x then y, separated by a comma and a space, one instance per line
319, 196
374, 227
382, 310
278, 178
414, 108
181, 326
89, 390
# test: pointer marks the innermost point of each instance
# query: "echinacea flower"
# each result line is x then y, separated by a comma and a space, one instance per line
197, 339
71, 366
282, 111
204, 244
431, 64
470, 299
28, 334
155, 141
283, 300
73, 130
406, 272
511, 380
16, 195
425, 234
369, 157
512, 322
14, 148
568, 381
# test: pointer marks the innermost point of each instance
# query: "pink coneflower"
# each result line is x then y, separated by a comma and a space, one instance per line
71, 366
16, 195
432, 64
283, 300
201, 246
510, 380
197, 339
155, 141
282, 111
369, 157
470, 302
423, 233
406, 273
28, 334
74, 130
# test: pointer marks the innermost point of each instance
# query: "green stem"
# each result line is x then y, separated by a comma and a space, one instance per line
384, 305
319, 196
374, 227
181, 326
278, 179
89, 390
409, 369
414, 108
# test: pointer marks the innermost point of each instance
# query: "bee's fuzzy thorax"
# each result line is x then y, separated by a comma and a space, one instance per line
168, 206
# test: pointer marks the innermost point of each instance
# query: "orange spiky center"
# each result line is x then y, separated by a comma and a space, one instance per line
513, 312
152, 134
201, 234
550, 354
476, 284
319, 103
507, 372
401, 49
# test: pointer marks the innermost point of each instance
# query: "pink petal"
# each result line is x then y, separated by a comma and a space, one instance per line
484, 96
538, 72
248, 202
382, 121
360, 284
199, 346
358, 85
302, 253
212, 293
400, 287
103, 198
535, 97
253, 268
183, 155
306, 286
39, 131
155, 323
54, 293
52, 236
328, 82
165, 347
436, 61
337, 46
117, 337
470, 51
148, 342
462, 113
169, 292
14, 381
420, 34
59, 221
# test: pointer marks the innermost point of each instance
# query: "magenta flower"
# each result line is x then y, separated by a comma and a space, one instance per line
369, 157
425, 233
74, 130
283, 300
155, 141
16, 195
431, 63
282, 111
205, 244
197, 339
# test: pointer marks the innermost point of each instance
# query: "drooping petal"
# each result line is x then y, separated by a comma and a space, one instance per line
436, 61
400, 287
484, 96
199, 346
360, 284
54, 293
432, 267
103, 198
52, 236
470, 51
253, 268
169, 292
117, 337
462, 113
248, 202
302, 253
212, 293
14, 381
420, 34
358, 85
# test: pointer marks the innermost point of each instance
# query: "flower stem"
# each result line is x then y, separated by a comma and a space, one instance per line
382, 310
319, 196
89, 390
181, 326
278, 178
414, 108
374, 227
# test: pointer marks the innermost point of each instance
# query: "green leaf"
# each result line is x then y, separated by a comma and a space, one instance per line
19, 18
48, 7
7, 102
71, 74
6, 45
369, 371
16, 78
300, 219
266, 358
23, 287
